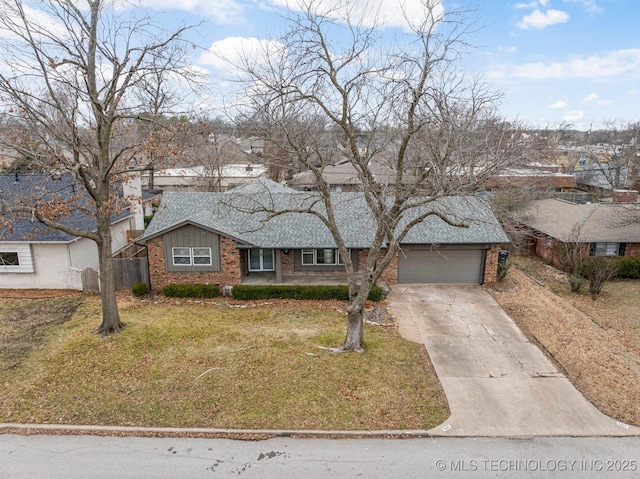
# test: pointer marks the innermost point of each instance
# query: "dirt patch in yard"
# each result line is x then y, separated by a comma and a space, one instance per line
596, 342
26, 318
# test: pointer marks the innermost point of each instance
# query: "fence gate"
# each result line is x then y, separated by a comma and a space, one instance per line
90, 280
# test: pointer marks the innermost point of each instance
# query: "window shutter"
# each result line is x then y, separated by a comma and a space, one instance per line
621, 249
592, 249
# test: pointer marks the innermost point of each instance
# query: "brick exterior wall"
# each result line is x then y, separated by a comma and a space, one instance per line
625, 196
543, 249
390, 275
230, 266
234, 266
632, 250
288, 267
286, 260
491, 265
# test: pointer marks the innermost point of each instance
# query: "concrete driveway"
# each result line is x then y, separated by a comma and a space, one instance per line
497, 382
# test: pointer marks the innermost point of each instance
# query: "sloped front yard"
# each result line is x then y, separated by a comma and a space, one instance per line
221, 365
597, 343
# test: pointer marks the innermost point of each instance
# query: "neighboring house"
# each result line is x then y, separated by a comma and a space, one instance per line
35, 256
341, 177
601, 178
253, 145
224, 238
606, 229
202, 177
534, 179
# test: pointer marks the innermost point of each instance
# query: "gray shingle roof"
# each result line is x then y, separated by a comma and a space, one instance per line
590, 223
343, 174
26, 187
245, 217
260, 185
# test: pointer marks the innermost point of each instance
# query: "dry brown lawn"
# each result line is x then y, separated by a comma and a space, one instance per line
211, 363
596, 342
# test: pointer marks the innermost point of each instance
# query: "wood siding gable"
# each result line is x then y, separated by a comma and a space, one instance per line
192, 237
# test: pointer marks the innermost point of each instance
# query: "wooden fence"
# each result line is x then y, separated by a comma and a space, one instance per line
127, 271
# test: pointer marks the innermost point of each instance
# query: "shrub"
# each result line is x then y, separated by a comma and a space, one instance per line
503, 269
598, 271
628, 268
139, 289
191, 290
576, 282
268, 291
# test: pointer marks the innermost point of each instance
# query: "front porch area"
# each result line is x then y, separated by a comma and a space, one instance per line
265, 277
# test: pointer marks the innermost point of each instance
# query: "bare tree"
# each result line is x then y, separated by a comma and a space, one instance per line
76, 75
407, 100
612, 157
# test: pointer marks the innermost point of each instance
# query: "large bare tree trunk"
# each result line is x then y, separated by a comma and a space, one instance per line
354, 341
110, 315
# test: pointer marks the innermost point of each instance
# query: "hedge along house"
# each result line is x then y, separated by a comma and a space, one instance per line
229, 238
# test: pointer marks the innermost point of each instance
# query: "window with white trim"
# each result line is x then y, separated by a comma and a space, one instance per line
607, 249
196, 256
321, 257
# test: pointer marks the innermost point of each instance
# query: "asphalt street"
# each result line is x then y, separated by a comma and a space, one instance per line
71, 457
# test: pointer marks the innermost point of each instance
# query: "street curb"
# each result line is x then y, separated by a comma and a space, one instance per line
9, 428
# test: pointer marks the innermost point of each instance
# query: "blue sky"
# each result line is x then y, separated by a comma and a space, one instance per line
573, 61
556, 61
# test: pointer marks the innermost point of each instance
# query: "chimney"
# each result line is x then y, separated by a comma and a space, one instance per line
625, 196
132, 190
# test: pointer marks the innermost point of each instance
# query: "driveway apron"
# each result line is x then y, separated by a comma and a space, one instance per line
496, 381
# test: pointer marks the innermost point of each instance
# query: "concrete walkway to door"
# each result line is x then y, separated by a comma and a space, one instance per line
496, 381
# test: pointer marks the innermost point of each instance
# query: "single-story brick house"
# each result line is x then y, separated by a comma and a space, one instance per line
605, 228
223, 238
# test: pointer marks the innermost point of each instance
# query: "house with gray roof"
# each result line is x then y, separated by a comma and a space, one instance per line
605, 228
233, 237
341, 177
34, 256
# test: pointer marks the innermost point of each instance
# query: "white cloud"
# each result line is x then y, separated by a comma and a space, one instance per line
389, 13
573, 115
509, 49
534, 4
613, 64
38, 18
558, 105
227, 12
595, 99
230, 53
589, 5
526, 5
540, 20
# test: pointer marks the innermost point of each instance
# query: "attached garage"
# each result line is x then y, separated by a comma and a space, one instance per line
443, 264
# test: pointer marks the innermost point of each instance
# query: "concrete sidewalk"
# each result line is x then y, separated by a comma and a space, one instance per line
496, 381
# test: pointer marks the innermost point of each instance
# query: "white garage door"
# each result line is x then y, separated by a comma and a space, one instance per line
428, 264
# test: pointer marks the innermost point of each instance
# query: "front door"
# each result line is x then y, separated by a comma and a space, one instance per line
261, 259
